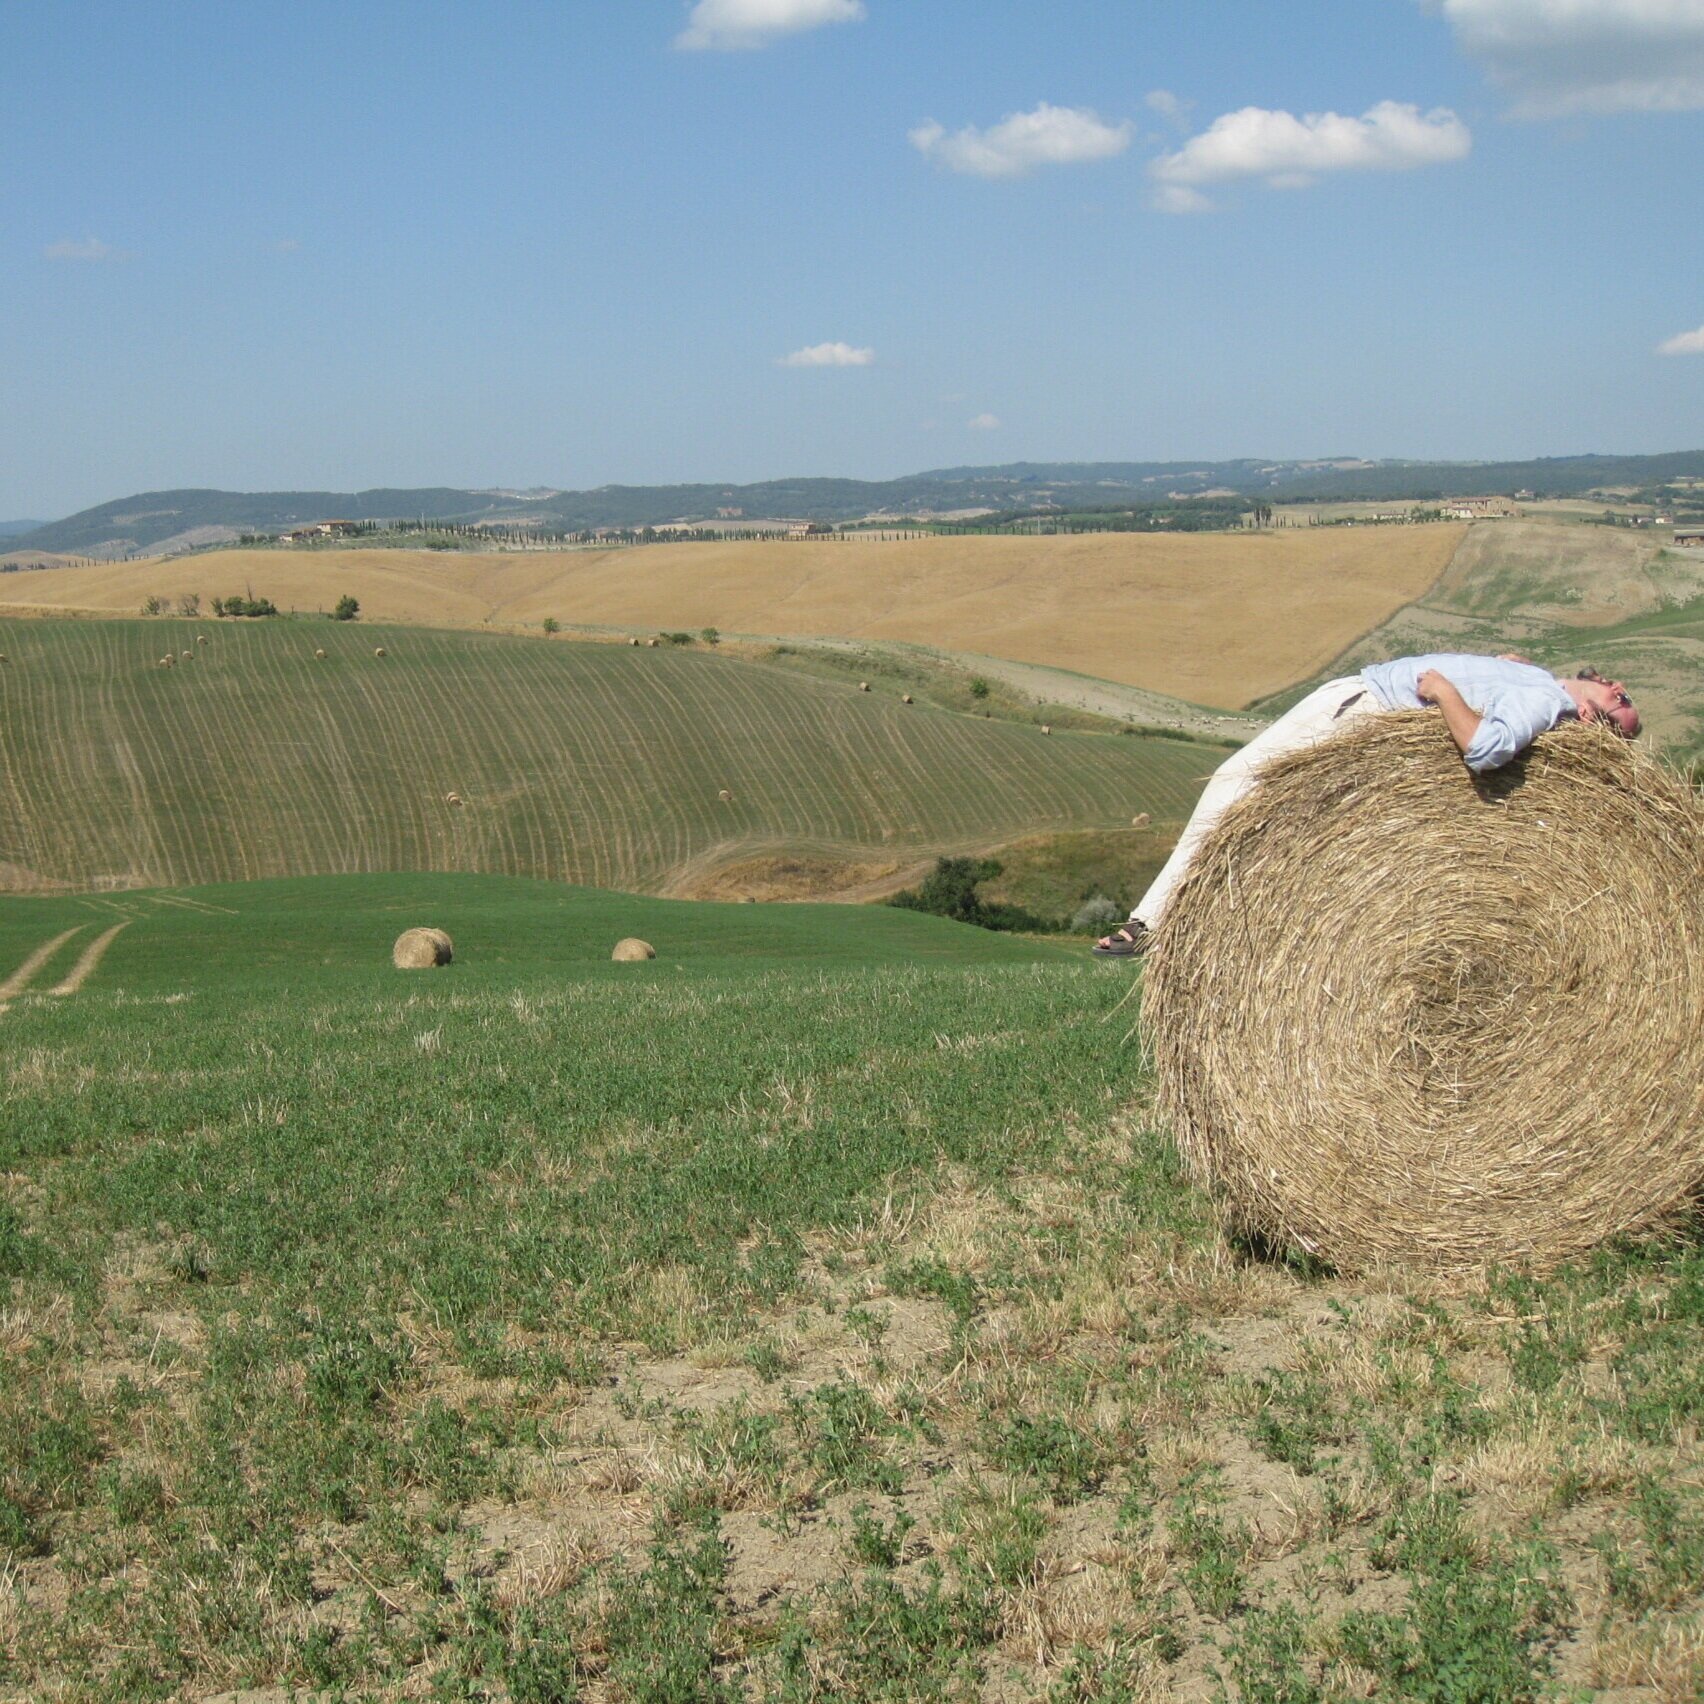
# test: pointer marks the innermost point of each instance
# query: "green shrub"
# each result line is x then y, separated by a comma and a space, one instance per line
1096, 914
949, 890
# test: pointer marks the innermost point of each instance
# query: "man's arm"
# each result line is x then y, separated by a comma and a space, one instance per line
1460, 717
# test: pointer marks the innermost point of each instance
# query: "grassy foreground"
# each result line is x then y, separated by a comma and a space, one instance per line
808, 1313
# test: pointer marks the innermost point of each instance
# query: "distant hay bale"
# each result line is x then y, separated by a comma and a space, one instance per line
422, 949
452, 798
632, 950
319, 656
1046, 728
201, 638
1140, 820
653, 643
184, 655
632, 641
166, 662
725, 796
863, 686
905, 698
378, 650
1400, 1015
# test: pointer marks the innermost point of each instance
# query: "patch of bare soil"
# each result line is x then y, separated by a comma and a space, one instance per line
20, 878
777, 877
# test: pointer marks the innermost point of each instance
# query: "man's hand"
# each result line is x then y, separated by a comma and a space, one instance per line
1460, 717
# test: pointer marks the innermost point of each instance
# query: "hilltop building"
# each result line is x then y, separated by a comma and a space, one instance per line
321, 529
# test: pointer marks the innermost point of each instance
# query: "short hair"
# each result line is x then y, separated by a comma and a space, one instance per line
1589, 673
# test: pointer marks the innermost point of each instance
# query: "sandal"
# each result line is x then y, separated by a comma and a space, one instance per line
1128, 940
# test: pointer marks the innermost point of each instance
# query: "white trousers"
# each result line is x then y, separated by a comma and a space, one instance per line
1315, 718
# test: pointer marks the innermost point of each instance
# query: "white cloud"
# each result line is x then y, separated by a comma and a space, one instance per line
984, 423
1179, 198
1049, 136
756, 23
1555, 57
829, 355
1290, 152
1169, 107
72, 248
1683, 343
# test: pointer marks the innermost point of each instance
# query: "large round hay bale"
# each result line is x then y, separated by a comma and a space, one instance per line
632, 950
422, 949
1400, 1015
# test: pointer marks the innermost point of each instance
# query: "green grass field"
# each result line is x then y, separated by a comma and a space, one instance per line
808, 1313
597, 764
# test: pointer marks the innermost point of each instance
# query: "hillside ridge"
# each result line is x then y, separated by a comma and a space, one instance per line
149, 520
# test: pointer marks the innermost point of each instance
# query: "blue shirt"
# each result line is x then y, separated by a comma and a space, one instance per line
1516, 701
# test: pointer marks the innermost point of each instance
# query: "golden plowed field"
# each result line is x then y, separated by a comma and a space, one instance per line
1215, 618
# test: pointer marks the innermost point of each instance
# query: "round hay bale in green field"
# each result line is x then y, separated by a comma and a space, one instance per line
422, 949
632, 951
1400, 1014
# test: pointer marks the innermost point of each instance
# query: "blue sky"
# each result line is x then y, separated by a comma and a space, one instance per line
258, 245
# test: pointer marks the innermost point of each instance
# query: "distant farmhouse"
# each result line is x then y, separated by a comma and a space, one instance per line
1478, 509
1690, 538
321, 529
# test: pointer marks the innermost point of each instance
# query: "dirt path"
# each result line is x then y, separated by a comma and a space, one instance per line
89, 962
25, 974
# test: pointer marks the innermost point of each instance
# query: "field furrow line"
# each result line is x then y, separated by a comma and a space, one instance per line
473, 764
538, 753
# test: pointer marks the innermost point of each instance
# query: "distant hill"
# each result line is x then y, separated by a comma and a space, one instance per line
164, 520
11, 529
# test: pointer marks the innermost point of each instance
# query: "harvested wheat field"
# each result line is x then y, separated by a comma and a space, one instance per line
1215, 618
1399, 1013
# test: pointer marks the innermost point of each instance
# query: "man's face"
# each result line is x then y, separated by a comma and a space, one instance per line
1609, 703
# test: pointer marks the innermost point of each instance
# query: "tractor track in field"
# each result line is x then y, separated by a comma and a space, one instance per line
26, 973
87, 963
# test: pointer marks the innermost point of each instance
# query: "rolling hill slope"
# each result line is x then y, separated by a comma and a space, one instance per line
596, 764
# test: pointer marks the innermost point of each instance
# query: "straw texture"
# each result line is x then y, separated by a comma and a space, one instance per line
422, 949
1400, 1014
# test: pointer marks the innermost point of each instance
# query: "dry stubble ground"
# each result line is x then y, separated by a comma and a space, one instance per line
557, 1330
